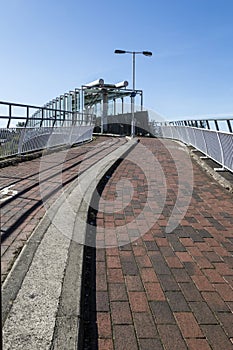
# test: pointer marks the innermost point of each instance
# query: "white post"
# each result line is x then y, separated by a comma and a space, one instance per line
132, 99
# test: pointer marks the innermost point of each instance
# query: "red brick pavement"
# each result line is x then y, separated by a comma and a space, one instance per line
160, 291
164, 290
22, 213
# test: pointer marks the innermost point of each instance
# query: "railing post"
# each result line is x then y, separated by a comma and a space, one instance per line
9, 120
27, 117
216, 125
229, 125
55, 119
42, 117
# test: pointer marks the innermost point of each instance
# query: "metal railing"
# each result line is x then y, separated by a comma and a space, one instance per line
215, 144
15, 113
218, 124
53, 127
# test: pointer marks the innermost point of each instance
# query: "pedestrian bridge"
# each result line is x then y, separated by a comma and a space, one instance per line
99, 107
127, 245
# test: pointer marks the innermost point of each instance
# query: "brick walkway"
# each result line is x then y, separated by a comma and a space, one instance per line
154, 290
38, 182
164, 290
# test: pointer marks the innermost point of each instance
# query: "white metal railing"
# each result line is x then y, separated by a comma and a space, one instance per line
15, 114
217, 145
53, 127
16, 141
218, 123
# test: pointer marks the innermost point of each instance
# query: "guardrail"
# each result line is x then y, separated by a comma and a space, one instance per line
35, 116
18, 141
52, 127
218, 124
215, 144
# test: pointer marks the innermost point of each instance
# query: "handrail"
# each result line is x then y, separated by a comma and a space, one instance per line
204, 122
215, 144
43, 127
32, 106
45, 115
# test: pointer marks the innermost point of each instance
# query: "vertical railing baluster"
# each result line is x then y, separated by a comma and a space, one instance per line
216, 125
229, 125
27, 117
9, 120
42, 117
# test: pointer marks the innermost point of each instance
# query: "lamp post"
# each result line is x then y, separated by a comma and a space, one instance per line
133, 53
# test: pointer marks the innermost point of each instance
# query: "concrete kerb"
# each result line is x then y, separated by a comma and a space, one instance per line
211, 172
21, 265
25, 329
68, 316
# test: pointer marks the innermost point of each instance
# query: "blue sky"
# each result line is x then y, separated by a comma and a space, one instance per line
49, 47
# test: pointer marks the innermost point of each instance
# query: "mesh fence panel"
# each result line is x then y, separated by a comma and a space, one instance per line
9, 140
214, 144
226, 141
22, 140
200, 142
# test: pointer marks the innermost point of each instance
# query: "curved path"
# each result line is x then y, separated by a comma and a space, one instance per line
156, 268
170, 291
21, 187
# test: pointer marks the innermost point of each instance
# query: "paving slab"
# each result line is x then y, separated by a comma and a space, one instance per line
39, 312
157, 264
165, 290
28, 188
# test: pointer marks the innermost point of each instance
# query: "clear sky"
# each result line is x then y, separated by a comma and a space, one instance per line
48, 47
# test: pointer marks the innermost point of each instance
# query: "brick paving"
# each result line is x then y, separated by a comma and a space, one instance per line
164, 290
36, 183
156, 290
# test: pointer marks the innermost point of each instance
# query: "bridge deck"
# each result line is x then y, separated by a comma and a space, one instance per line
167, 289
159, 290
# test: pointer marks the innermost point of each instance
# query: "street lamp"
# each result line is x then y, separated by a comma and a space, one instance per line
145, 53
